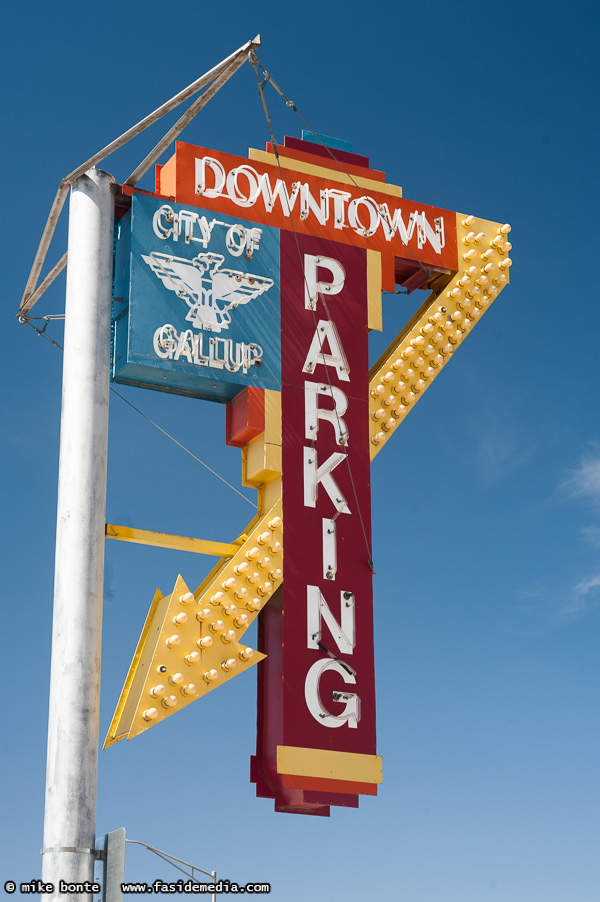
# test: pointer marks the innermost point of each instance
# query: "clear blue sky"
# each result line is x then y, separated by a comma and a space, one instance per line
486, 505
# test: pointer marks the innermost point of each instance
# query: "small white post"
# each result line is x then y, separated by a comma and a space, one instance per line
72, 764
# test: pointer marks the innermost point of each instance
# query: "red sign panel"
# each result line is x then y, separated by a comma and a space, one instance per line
316, 687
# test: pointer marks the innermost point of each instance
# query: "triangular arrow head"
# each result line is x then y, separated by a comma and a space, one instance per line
190, 643
139, 665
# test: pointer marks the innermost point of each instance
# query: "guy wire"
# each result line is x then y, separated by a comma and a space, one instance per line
254, 61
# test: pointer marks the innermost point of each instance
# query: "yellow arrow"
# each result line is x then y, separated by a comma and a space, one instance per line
190, 643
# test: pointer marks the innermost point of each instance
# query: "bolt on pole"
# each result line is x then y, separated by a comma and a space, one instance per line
72, 763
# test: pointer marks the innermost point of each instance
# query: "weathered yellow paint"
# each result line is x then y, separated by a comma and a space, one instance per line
329, 764
156, 649
374, 305
426, 344
261, 457
270, 493
262, 461
333, 175
273, 417
166, 540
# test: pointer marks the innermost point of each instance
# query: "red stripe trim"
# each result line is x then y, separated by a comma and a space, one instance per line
292, 781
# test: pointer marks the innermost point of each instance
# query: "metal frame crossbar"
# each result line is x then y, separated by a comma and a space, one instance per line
215, 77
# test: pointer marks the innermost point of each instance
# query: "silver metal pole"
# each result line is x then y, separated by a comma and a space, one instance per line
71, 771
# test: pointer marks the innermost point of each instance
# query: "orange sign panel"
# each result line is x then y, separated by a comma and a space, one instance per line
364, 212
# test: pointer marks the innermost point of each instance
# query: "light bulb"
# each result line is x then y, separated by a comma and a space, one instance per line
217, 626
229, 664
190, 689
228, 637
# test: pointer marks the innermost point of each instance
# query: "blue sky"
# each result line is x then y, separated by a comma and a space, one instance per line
486, 505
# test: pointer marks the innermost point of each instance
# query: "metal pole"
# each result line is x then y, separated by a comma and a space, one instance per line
72, 764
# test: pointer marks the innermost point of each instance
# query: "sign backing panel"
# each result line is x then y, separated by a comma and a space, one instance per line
196, 301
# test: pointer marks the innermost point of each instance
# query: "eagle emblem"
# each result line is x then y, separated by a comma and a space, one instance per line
209, 291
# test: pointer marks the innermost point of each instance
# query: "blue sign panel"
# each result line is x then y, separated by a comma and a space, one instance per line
196, 301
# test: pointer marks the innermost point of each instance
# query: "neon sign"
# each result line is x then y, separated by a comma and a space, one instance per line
197, 301
272, 315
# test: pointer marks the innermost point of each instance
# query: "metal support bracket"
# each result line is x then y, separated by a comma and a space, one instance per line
166, 540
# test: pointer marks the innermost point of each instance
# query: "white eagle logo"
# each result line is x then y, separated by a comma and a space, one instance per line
209, 291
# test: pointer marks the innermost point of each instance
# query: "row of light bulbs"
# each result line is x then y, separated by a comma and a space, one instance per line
222, 611
436, 337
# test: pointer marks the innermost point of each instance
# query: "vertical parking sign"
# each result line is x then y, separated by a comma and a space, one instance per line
317, 739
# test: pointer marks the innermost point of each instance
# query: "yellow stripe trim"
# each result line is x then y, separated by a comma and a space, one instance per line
333, 175
165, 540
374, 307
328, 764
